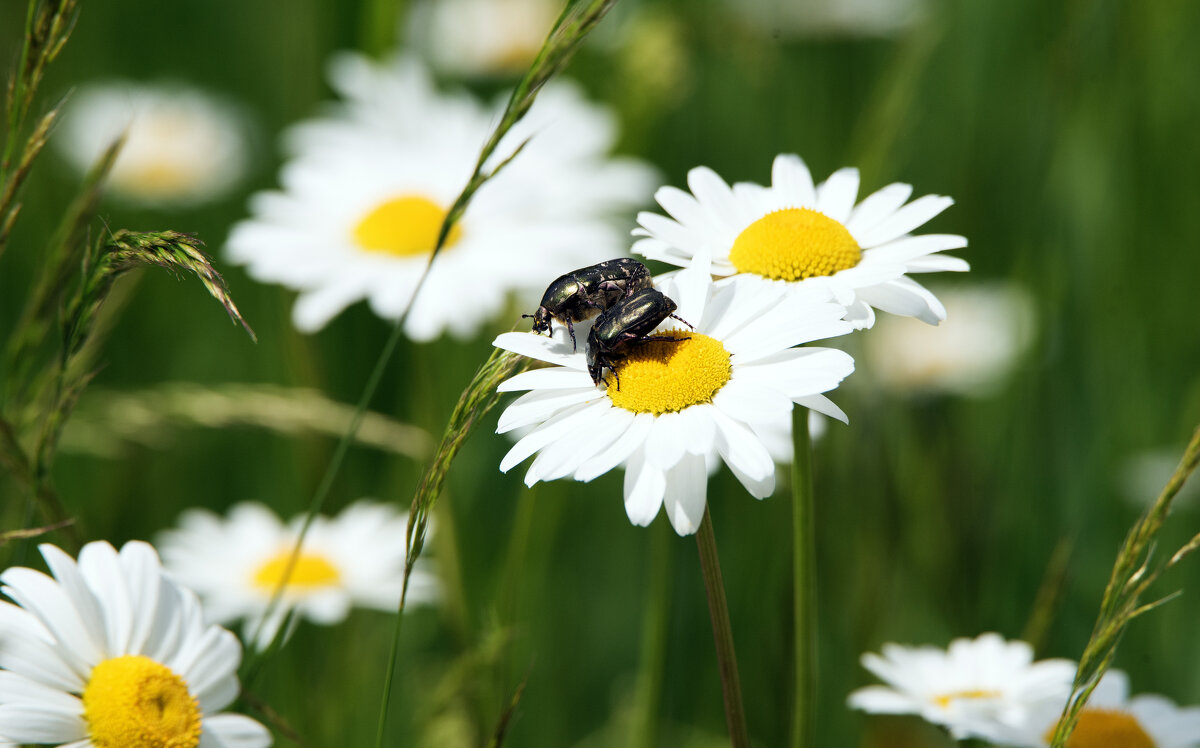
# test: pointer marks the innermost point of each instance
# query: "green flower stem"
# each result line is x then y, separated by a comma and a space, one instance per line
379, 25
804, 582
718, 610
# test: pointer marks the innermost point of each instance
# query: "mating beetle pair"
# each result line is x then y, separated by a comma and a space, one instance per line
622, 292
584, 293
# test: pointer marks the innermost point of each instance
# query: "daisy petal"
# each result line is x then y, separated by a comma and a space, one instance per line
905, 297
542, 348
915, 214
912, 247
538, 405
554, 378
664, 445
644, 488
684, 499
876, 207
637, 428
938, 264
835, 198
233, 731
824, 406
744, 454
792, 179
555, 427
40, 723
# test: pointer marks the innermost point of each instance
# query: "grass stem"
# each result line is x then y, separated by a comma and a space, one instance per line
718, 610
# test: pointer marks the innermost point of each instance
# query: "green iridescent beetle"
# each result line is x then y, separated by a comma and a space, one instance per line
624, 324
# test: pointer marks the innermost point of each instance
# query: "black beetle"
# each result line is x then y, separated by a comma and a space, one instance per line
624, 324
583, 293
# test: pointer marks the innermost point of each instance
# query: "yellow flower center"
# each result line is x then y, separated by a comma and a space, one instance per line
404, 226
1106, 728
947, 699
793, 244
309, 572
135, 702
663, 377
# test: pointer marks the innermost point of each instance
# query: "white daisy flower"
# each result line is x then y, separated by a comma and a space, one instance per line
724, 393
110, 652
981, 688
1111, 718
804, 235
802, 18
364, 198
481, 37
236, 564
183, 146
987, 329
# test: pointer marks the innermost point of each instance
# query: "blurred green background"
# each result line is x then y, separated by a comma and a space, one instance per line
1067, 134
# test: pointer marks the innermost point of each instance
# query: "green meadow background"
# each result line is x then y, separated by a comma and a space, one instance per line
1067, 134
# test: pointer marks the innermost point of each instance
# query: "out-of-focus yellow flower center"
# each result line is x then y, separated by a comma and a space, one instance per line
947, 699
404, 226
134, 702
793, 244
1106, 728
154, 178
310, 571
663, 377
516, 54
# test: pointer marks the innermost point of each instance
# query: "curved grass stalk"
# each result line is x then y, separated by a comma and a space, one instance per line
576, 21
1131, 578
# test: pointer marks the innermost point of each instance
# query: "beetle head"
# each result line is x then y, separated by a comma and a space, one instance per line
541, 320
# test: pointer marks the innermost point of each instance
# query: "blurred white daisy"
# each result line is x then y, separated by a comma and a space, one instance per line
1111, 718
724, 393
110, 652
481, 37
983, 688
1142, 476
237, 563
971, 353
831, 17
370, 184
799, 234
183, 146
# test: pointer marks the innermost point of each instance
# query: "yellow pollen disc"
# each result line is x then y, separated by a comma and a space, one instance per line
135, 702
1106, 728
404, 226
310, 571
662, 377
793, 244
947, 699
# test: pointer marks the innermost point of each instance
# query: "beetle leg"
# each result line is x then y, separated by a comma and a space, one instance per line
662, 339
610, 363
571, 329
681, 319
616, 376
